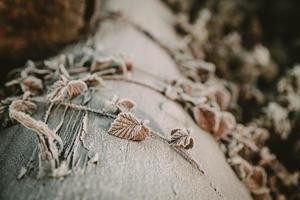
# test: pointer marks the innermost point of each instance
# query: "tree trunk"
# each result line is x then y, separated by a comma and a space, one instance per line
149, 169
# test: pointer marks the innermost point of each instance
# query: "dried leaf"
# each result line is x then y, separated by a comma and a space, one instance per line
257, 180
223, 98
58, 90
266, 156
254, 177
63, 87
207, 117
259, 135
126, 126
182, 138
125, 104
12, 83
277, 116
173, 92
32, 84
102, 64
50, 144
93, 80
23, 106
76, 87
262, 55
227, 124
117, 105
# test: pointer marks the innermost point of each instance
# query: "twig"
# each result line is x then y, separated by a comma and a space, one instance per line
120, 78
47, 114
84, 108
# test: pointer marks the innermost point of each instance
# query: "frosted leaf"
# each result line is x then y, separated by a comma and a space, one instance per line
50, 144
24, 106
102, 63
58, 90
173, 92
277, 116
126, 126
261, 55
207, 117
93, 80
266, 157
117, 104
182, 138
125, 104
32, 84
256, 181
227, 124
63, 87
254, 177
223, 98
76, 87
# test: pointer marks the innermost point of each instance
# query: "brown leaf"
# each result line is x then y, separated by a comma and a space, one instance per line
182, 138
93, 80
207, 117
117, 105
32, 84
102, 64
126, 126
76, 87
64, 87
23, 106
58, 90
254, 177
257, 180
223, 98
227, 124
125, 104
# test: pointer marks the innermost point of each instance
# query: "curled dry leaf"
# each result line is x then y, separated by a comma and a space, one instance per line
207, 117
125, 104
63, 87
266, 157
213, 91
257, 180
277, 118
173, 92
23, 106
76, 87
211, 119
93, 80
223, 98
58, 90
182, 138
32, 84
126, 126
253, 176
259, 135
103, 63
50, 144
227, 124
117, 105
111, 65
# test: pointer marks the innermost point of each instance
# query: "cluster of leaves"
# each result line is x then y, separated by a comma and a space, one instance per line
67, 82
224, 39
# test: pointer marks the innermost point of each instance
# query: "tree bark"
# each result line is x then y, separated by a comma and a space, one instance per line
149, 169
